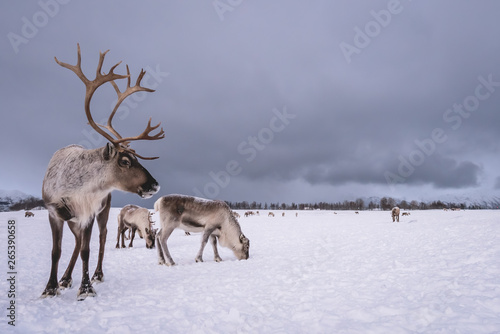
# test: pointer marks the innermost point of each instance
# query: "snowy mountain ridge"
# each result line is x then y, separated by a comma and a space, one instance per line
9, 197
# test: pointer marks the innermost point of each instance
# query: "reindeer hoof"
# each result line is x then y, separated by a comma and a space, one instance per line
99, 278
65, 283
168, 264
198, 259
84, 292
218, 259
52, 292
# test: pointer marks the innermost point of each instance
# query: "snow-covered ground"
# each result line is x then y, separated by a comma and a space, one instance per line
320, 272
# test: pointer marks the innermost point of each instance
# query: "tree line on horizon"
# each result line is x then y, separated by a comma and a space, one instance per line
385, 203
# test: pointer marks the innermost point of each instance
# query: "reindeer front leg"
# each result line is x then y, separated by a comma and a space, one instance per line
102, 222
217, 258
56, 225
86, 288
66, 280
204, 240
132, 236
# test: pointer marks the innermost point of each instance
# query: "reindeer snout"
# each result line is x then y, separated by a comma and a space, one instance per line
148, 190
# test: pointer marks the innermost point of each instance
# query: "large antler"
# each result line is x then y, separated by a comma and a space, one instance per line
122, 144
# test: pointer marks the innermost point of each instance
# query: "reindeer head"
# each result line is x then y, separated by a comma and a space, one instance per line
150, 233
245, 247
242, 248
128, 174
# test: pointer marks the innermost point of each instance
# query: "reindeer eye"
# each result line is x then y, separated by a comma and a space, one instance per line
124, 162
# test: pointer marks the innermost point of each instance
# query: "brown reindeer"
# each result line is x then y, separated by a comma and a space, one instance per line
192, 214
29, 214
78, 183
135, 218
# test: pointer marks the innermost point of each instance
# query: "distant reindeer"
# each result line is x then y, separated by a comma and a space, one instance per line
135, 218
78, 183
236, 214
283, 214
270, 214
29, 214
405, 214
356, 212
395, 214
214, 218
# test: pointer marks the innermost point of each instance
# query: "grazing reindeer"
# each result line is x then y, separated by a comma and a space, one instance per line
395, 214
270, 214
29, 214
214, 218
135, 218
78, 183
405, 214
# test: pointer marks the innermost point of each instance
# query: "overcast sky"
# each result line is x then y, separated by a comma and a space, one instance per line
272, 101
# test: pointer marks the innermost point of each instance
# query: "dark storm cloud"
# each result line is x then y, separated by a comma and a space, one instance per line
220, 72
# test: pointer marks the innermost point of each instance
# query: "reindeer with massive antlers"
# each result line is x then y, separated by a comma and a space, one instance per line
78, 183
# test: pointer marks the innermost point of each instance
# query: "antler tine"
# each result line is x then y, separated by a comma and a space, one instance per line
145, 134
121, 97
132, 151
77, 69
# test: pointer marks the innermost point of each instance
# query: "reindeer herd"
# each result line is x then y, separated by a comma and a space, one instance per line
77, 189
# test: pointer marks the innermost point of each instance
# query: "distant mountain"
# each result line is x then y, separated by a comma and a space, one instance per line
13, 194
475, 200
9, 197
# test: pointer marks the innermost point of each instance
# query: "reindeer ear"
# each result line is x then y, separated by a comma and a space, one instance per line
109, 151
242, 237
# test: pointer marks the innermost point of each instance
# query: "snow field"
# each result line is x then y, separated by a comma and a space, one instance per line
320, 272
